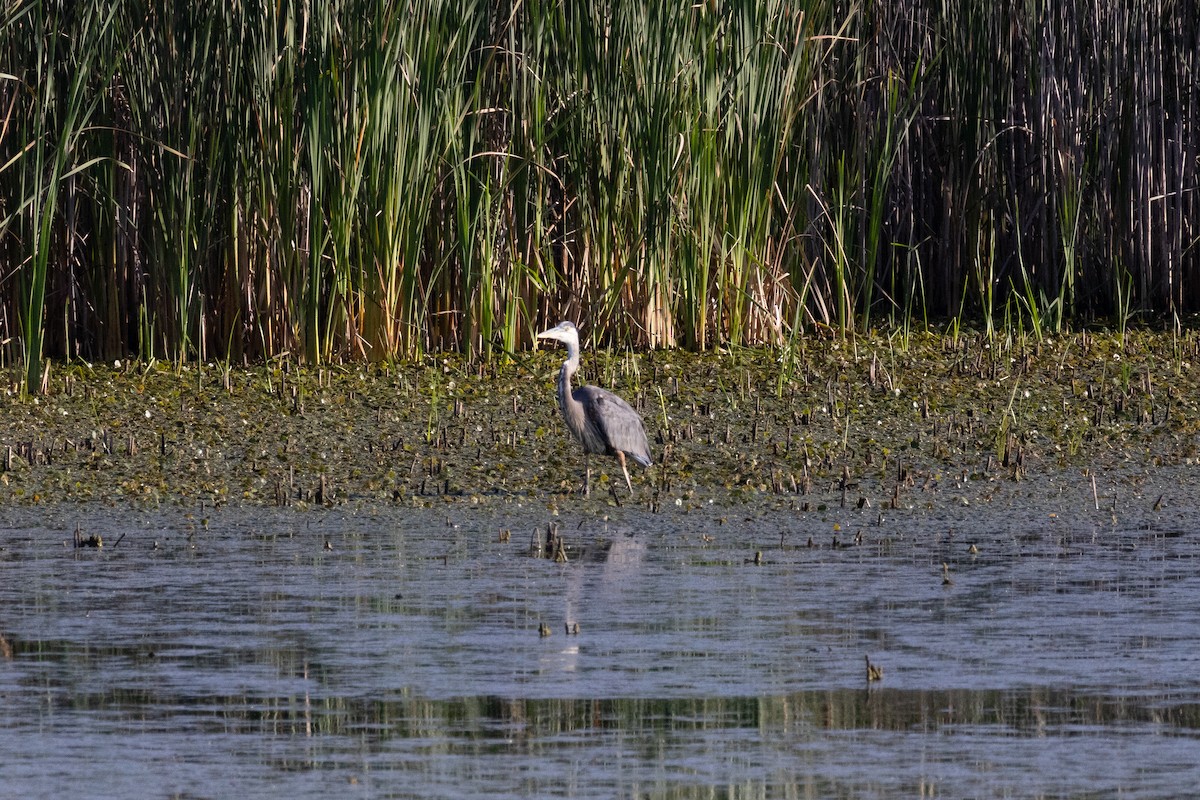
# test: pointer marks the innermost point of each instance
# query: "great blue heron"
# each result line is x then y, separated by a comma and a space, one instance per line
602, 422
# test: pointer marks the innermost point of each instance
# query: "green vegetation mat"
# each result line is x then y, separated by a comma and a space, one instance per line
869, 421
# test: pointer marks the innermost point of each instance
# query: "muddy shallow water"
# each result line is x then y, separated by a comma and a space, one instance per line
367, 652
321, 583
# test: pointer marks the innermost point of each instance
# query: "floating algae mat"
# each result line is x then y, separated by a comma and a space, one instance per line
883, 418
860, 571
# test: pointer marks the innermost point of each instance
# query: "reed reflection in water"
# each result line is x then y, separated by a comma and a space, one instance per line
405, 660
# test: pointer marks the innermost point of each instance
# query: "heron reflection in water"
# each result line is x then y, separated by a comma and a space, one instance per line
602, 422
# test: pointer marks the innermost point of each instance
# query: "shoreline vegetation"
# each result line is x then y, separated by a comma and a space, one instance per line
369, 182
876, 422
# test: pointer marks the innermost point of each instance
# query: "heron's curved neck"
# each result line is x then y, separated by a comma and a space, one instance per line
565, 399
572, 355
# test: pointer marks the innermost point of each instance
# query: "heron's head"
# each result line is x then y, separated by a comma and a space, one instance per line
564, 332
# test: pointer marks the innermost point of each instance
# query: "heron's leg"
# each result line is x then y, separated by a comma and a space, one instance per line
587, 474
621, 461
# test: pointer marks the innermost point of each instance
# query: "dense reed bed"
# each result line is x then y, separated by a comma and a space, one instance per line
378, 179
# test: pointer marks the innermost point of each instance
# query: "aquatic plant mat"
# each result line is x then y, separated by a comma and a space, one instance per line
883, 423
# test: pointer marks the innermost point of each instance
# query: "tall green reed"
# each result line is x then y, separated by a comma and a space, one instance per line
375, 178
55, 96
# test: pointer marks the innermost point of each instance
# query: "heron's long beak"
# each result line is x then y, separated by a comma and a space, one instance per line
550, 334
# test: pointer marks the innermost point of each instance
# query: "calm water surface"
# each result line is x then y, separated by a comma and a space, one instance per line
333, 653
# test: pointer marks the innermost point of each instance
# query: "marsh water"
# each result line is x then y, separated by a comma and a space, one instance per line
1032, 646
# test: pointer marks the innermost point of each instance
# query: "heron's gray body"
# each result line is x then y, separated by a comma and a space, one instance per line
602, 422
607, 424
